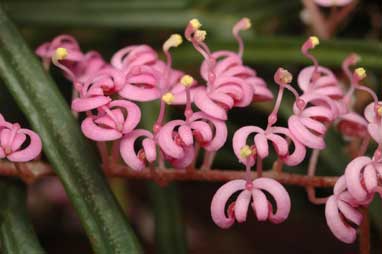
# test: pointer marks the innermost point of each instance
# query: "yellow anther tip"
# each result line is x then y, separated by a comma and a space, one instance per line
247, 23
360, 72
245, 151
61, 53
314, 40
379, 110
200, 35
173, 41
187, 80
195, 23
285, 76
168, 98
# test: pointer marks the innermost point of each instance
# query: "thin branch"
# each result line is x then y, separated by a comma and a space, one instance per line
40, 169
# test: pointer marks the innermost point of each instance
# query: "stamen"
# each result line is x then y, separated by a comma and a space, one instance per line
360, 73
187, 80
60, 53
172, 42
245, 152
200, 35
314, 41
168, 98
283, 76
195, 24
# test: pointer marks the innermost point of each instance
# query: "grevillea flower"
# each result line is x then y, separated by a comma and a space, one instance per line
114, 120
95, 92
307, 124
279, 136
48, 49
254, 191
229, 82
373, 114
18, 144
147, 77
329, 3
362, 176
350, 123
136, 160
319, 80
342, 213
177, 137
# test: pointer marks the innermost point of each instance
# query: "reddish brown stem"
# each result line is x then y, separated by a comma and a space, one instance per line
364, 233
40, 169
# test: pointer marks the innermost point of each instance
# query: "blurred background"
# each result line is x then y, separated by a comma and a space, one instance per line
177, 217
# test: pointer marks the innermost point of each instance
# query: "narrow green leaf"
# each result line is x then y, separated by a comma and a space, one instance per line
16, 232
73, 159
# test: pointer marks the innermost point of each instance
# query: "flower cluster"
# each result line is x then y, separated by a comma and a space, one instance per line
18, 144
108, 92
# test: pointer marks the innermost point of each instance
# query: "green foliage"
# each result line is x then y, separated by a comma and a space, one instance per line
16, 232
72, 157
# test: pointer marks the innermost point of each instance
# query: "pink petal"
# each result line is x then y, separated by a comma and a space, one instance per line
353, 177
92, 131
260, 205
279, 194
241, 205
186, 160
128, 153
86, 104
133, 114
166, 141
342, 231
205, 104
185, 133
303, 134
31, 151
219, 202
240, 139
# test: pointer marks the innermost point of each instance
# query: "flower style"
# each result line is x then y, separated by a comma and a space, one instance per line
18, 144
255, 191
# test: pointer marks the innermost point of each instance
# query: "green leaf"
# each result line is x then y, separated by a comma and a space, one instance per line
71, 156
16, 232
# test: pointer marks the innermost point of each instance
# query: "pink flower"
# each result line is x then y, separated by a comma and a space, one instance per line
229, 82
176, 138
277, 135
307, 124
352, 125
94, 93
137, 160
18, 144
342, 212
119, 117
47, 50
373, 114
362, 177
328, 3
250, 191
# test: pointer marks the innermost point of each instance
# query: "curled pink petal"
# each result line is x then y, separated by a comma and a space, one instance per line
303, 134
260, 205
261, 144
166, 141
342, 231
241, 205
94, 132
279, 194
31, 151
219, 202
208, 106
186, 160
128, 153
353, 174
